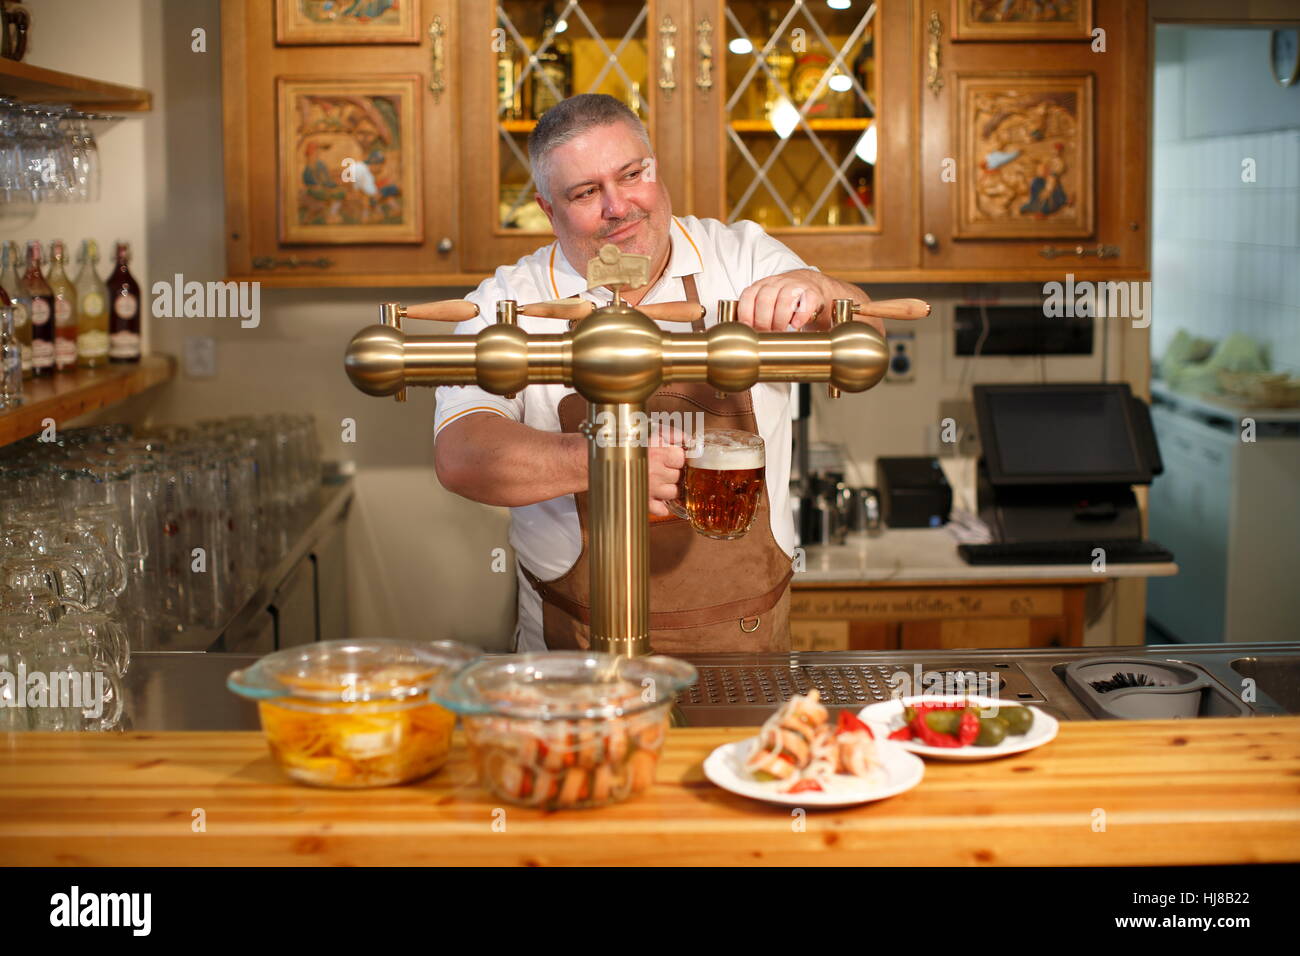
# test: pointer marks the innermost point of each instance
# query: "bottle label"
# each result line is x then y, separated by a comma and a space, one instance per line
21, 315
125, 306
124, 345
42, 354
92, 303
40, 312
62, 311
65, 352
93, 344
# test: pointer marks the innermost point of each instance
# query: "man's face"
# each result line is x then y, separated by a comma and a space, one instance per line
604, 188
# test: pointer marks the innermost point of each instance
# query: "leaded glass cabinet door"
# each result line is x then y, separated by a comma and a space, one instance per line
522, 56
808, 128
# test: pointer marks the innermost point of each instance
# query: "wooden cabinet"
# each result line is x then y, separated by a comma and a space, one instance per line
871, 617
1008, 111
376, 116
819, 123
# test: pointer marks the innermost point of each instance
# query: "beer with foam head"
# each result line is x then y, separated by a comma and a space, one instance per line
722, 482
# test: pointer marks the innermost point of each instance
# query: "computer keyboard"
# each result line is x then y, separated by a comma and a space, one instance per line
1064, 552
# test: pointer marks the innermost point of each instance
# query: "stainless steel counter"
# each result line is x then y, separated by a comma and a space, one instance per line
169, 691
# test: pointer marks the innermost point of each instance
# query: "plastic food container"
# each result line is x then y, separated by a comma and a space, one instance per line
566, 729
355, 713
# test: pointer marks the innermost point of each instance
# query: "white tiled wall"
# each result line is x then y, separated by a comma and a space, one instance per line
1226, 254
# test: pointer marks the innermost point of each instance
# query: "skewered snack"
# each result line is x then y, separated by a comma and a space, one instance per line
798, 745
568, 764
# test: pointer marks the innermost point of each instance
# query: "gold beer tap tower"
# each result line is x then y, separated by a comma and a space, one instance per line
616, 357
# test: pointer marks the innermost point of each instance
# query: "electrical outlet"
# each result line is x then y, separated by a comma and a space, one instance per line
900, 345
958, 435
200, 355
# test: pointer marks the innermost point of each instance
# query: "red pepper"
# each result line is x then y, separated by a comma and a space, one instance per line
968, 729
806, 784
848, 723
902, 733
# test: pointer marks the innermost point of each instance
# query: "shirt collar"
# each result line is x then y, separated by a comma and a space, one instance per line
684, 259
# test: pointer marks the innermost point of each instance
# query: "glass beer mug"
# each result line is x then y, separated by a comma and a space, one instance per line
720, 485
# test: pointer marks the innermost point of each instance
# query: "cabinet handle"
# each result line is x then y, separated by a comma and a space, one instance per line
931, 242
704, 48
293, 262
1099, 250
668, 58
445, 244
437, 34
935, 29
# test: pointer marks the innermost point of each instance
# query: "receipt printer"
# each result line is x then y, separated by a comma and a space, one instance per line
913, 492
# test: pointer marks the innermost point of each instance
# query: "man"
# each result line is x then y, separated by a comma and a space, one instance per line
597, 183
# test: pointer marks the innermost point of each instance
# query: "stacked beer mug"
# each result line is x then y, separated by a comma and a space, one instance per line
167, 530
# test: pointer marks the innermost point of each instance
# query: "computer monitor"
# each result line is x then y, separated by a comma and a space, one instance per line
1075, 434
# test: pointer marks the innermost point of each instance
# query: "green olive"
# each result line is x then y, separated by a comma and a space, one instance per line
993, 730
1019, 719
909, 714
944, 721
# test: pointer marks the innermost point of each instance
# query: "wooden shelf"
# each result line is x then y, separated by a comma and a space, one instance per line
851, 124
35, 84
66, 396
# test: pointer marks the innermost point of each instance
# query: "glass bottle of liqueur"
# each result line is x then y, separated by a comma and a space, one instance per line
11, 281
510, 93
42, 312
124, 310
555, 65
780, 64
92, 310
11, 357
864, 71
65, 311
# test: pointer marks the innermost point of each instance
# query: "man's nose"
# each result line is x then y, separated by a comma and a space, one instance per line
616, 207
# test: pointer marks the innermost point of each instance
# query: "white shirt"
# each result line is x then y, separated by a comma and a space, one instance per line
725, 260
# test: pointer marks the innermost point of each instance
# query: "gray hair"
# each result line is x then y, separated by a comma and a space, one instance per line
569, 119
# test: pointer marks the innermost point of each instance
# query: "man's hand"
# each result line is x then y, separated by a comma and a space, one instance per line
795, 300
666, 463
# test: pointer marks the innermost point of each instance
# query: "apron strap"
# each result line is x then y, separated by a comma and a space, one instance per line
692, 295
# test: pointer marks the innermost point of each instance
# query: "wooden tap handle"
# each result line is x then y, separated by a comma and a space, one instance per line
559, 309
658, 312
449, 310
894, 309
672, 311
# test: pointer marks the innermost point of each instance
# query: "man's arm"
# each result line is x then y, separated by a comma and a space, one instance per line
491, 459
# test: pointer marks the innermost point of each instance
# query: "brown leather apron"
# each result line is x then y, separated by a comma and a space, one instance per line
706, 596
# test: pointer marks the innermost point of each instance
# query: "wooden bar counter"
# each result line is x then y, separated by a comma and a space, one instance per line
1105, 792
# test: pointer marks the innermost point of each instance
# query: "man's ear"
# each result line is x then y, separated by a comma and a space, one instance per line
546, 208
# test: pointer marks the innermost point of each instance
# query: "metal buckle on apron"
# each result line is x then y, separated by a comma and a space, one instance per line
750, 630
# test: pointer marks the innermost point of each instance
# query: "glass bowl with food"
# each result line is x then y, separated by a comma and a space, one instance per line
355, 713
566, 729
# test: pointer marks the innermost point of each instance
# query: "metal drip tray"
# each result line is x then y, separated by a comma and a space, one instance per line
746, 694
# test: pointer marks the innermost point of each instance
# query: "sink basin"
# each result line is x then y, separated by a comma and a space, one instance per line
1278, 677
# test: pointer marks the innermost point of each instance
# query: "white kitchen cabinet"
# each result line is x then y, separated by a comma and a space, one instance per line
1230, 512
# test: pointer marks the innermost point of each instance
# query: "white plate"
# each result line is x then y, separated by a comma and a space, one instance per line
899, 771
887, 716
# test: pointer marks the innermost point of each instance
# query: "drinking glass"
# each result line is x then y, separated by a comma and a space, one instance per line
723, 482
